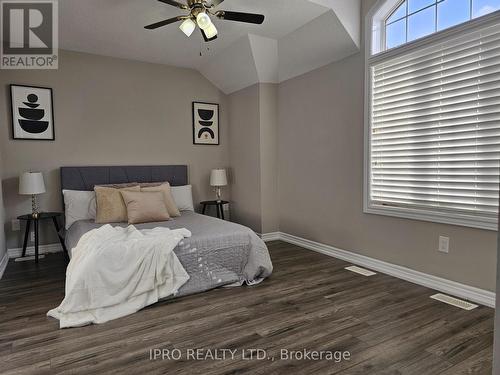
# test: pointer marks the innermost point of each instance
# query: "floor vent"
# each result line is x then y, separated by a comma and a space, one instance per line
360, 271
454, 302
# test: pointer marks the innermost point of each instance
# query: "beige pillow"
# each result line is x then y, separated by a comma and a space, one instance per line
145, 207
152, 184
110, 205
164, 188
119, 186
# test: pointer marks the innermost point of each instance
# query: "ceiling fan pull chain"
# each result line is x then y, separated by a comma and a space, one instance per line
201, 49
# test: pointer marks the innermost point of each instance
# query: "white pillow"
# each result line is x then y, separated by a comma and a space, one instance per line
79, 205
183, 197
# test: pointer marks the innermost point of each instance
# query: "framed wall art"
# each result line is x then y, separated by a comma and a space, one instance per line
32, 113
205, 123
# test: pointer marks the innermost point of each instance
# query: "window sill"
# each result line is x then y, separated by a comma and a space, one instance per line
433, 217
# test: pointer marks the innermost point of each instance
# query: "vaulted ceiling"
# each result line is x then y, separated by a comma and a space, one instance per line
297, 36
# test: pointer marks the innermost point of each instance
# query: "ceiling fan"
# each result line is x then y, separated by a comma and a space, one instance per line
199, 11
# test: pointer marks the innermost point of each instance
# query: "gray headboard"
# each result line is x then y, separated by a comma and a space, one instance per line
85, 178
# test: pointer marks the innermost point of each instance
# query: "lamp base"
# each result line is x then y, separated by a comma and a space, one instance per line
218, 194
35, 210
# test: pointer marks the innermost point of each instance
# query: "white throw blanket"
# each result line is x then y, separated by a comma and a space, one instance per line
115, 272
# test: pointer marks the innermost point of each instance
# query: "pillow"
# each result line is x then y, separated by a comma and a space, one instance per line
79, 205
145, 207
152, 184
110, 205
183, 197
172, 209
119, 186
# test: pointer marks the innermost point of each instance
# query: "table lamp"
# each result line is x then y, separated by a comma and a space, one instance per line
218, 179
31, 183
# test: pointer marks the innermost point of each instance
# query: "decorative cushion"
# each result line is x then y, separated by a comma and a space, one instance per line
145, 207
120, 186
110, 205
78, 205
152, 184
164, 188
183, 197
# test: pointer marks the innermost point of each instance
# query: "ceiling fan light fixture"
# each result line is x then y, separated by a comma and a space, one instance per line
188, 27
198, 15
211, 31
203, 20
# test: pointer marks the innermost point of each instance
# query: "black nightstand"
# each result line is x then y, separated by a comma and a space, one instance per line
219, 205
41, 216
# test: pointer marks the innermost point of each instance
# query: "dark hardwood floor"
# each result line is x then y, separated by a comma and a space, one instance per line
389, 326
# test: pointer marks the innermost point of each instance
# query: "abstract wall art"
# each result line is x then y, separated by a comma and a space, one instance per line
205, 123
32, 113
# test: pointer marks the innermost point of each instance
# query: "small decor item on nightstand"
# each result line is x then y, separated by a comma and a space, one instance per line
31, 183
218, 179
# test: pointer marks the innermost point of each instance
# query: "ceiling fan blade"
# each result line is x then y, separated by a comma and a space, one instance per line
241, 17
205, 37
163, 23
175, 4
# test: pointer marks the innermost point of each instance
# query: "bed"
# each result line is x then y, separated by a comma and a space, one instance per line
219, 253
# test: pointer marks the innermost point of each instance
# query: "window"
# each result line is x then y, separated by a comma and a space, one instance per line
433, 126
414, 19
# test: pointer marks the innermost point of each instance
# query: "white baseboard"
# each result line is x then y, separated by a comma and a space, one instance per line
268, 237
3, 264
42, 249
481, 296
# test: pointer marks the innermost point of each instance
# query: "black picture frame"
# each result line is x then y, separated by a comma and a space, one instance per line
13, 113
196, 137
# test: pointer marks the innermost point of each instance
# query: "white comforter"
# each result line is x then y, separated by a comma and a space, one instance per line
115, 272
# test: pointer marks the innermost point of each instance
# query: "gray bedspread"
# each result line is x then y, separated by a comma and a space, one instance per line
218, 253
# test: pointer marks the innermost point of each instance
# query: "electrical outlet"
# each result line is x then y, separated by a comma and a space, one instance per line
32, 236
16, 225
444, 244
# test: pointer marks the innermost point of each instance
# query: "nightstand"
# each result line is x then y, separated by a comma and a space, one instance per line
36, 220
219, 206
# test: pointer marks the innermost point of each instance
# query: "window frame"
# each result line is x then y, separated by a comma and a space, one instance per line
372, 21
390, 6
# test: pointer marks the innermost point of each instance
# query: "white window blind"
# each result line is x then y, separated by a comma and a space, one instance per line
435, 129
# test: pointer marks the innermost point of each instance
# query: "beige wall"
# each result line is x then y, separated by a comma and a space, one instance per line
321, 183
2, 216
268, 103
110, 112
244, 139
253, 156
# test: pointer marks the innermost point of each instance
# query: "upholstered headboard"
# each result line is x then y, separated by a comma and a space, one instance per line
85, 178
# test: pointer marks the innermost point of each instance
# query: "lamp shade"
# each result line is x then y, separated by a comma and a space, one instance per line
31, 183
211, 31
188, 27
203, 20
218, 177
